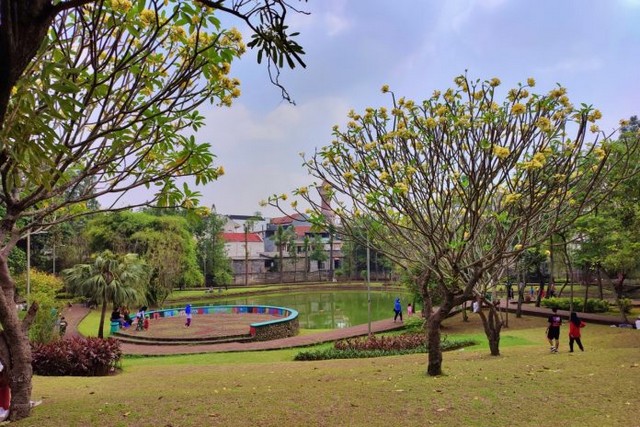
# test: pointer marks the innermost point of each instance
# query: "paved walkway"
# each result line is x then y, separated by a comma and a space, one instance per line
77, 312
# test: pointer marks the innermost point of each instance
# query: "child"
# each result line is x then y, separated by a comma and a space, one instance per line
145, 325
409, 309
187, 311
140, 324
63, 326
575, 323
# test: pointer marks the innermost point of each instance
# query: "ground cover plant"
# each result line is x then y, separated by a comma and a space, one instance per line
477, 389
76, 356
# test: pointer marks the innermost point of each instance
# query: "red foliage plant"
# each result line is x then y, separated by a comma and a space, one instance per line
77, 356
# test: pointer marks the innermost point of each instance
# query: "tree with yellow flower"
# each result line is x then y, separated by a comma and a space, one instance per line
100, 98
457, 180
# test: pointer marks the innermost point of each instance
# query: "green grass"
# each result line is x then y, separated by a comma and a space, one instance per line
525, 386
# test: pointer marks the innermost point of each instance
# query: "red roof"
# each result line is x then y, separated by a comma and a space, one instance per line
240, 237
301, 230
288, 219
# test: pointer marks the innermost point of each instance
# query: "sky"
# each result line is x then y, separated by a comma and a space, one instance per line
354, 47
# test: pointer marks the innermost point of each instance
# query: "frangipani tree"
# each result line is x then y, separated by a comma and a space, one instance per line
100, 98
462, 182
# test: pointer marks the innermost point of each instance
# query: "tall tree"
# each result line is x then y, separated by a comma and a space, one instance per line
165, 242
459, 179
111, 279
217, 266
99, 98
282, 238
609, 238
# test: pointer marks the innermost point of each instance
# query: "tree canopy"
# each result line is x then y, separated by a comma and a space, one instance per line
462, 182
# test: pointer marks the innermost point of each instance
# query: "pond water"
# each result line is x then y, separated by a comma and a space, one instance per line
329, 310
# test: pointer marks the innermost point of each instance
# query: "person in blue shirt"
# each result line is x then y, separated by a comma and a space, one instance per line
397, 309
187, 311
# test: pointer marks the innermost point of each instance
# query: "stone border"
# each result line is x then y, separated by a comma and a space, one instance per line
286, 326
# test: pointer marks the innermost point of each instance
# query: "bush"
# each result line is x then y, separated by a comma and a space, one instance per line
76, 356
626, 305
414, 324
44, 288
387, 343
593, 305
356, 349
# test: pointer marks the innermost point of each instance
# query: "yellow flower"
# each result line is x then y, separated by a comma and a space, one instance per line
348, 176
384, 176
430, 123
283, 196
385, 88
600, 152
531, 81
494, 82
624, 122
544, 124
303, 190
121, 5
401, 187
539, 157
147, 17
517, 247
512, 198
594, 129
220, 170
518, 109
501, 152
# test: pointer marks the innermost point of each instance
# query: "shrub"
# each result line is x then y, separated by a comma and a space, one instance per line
356, 351
77, 356
44, 288
389, 342
414, 324
593, 305
626, 305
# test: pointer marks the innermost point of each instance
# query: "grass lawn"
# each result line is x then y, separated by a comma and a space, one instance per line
526, 386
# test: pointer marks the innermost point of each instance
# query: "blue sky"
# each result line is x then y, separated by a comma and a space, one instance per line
353, 47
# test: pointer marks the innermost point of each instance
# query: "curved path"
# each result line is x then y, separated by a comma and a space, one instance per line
77, 312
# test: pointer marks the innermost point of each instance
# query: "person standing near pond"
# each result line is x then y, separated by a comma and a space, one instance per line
397, 309
553, 331
187, 312
575, 324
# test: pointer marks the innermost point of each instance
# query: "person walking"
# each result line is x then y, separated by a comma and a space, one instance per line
397, 309
575, 324
553, 331
187, 312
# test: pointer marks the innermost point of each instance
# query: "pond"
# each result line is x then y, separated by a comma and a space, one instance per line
328, 310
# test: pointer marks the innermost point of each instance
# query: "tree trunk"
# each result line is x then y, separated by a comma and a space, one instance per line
541, 289
599, 278
15, 350
521, 287
586, 297
492, 327
619, 286
103, 314
434, 366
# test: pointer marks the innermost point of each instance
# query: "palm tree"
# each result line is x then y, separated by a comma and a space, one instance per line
110, 279
282, 238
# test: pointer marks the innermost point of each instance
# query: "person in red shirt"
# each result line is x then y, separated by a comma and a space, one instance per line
575, 323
